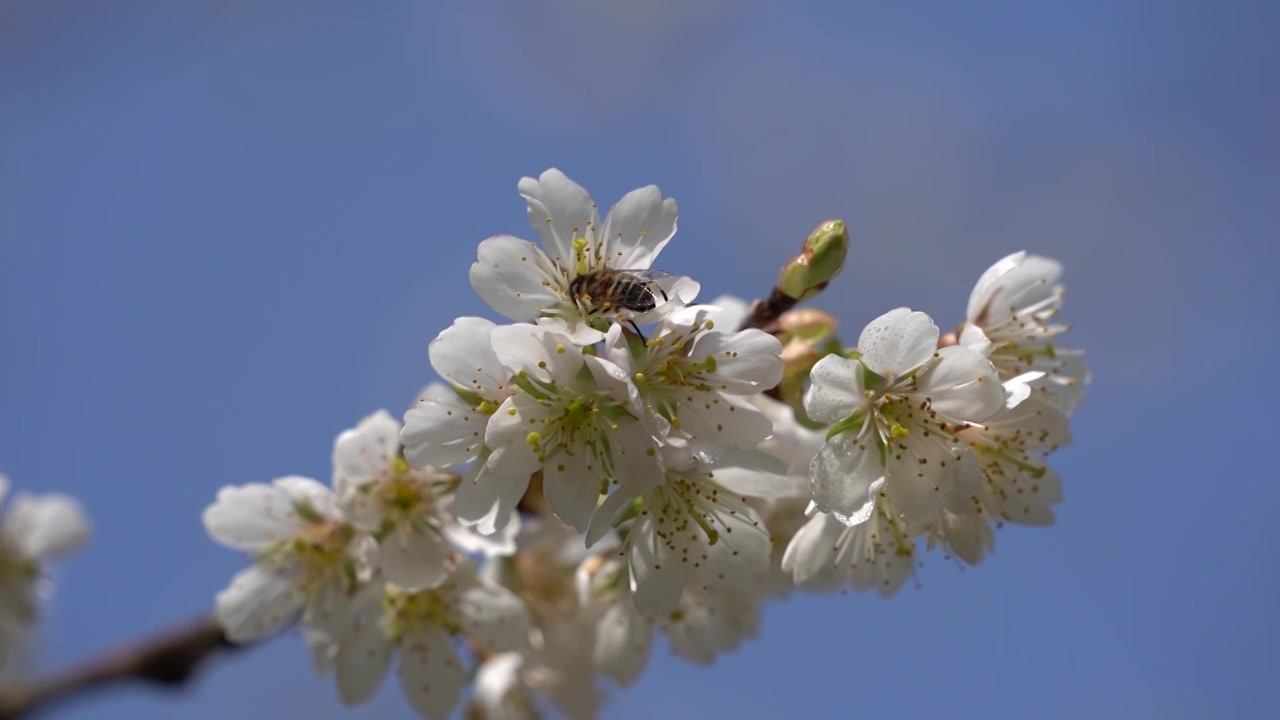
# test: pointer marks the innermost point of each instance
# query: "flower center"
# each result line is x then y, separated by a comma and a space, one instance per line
415, 611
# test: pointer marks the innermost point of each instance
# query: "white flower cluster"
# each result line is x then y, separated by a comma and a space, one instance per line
577, 484
35, 530
940, 442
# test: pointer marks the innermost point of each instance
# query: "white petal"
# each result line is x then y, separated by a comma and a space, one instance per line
723, 420
614, 381
963, 386
258, 603
711, 623
1015, 282
898, 341
638, 227
430, 674
250, 517
747, 362
463, 355
623, 640
362, 662
314, 493
733, 311
972, 337
809, 557
572, 326
487, 499
560, 210
751, 473
364, 452
413, 559
329, 607
544, 355
845, 475
571, 485
508, 274
920, 473
441, 430
969, 537
46, 527
500, 542
658, 577
494, 617
742, 550
498, 693
835, 389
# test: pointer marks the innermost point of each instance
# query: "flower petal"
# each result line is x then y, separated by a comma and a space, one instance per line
658, 577
463, 355
638, 227
442, 430
362, 662
414, 559
508, 274
623, 641
963, 386
431, 676
560, 210
898, 342
723, 420
809, 556
250, 517
746, 362
46, 527
487, 499
494, 617
571, 485
845, 475
258, 603
364, 452
835, 389
544, 355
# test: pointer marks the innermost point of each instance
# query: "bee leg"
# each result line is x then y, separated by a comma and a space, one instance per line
664, 294
637, 329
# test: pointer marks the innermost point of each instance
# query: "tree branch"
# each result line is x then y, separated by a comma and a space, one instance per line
168, 659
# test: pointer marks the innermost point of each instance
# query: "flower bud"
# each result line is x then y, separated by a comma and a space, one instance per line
808, 273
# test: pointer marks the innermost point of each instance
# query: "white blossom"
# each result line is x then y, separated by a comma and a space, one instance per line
398, 504
895, 410
500, 691
446, 427
690, 371
306, 556
572, 420
1010, 452
526, 282
36, 530
711, 622
1011, 318
878, 553
422, 626
696, 528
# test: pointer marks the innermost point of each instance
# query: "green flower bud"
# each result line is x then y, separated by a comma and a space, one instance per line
808, 273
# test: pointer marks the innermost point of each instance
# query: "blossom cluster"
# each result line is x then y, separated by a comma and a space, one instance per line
35, 531
618, 462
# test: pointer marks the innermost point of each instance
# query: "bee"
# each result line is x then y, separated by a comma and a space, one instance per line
610, 290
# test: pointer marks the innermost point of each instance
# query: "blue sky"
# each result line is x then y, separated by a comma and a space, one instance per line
229, 229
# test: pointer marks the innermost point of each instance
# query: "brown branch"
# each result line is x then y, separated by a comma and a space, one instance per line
168, 659
764, 314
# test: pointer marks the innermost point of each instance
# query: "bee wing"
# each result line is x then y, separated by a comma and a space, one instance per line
645, 275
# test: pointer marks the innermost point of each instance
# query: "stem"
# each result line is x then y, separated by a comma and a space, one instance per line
764, 314
169, 659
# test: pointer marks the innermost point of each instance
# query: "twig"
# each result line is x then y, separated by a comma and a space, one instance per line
169, 659
764, 313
